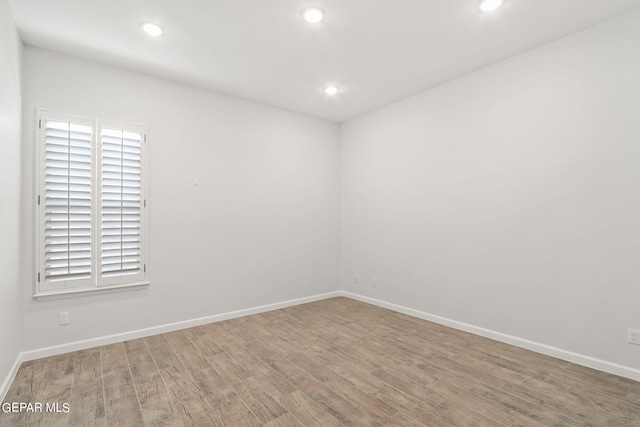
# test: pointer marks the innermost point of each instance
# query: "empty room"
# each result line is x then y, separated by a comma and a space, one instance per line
320, 213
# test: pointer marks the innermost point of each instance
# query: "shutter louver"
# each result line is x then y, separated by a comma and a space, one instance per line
121, 203
67, 201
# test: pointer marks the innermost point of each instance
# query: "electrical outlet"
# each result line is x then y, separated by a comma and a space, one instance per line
374, 282
357, 278
64, 318
633, 336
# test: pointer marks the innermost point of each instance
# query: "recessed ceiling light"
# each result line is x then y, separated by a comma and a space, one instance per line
489, 5
313, 15
331, 90
152, 29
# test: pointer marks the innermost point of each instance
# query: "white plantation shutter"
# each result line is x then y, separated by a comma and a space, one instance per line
67, 202
90, 204
121, 204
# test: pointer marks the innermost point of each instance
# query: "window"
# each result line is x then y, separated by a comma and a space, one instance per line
91, 204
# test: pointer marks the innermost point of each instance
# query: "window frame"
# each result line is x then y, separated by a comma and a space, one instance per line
96, 283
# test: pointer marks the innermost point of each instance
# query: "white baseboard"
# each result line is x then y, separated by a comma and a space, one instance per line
580, 359
141, 333
10, 377
602, 365
169, 327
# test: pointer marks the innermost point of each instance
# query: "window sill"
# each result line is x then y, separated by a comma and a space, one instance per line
69, 293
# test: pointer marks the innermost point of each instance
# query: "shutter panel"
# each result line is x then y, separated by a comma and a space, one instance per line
91, 204
121, 205
67, 201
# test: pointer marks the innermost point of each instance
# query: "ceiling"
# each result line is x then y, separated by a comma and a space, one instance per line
376, 51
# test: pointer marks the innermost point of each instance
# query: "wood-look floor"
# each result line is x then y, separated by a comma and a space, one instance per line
329, 363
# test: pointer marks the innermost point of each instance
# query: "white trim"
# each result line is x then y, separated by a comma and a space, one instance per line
73, 287
154, 330
602, 365
10, 377
64, 293
580, 359
169, 327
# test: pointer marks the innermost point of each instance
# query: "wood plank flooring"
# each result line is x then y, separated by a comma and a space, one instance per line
336, 362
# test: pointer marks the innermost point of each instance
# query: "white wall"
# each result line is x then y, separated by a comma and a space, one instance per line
10, 113
509, 199
506, 199
261, 227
